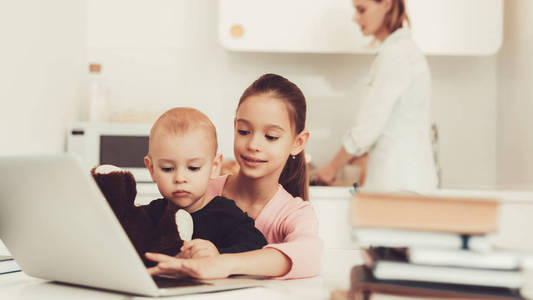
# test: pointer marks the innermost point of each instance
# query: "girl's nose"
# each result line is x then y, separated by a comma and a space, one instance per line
253, 143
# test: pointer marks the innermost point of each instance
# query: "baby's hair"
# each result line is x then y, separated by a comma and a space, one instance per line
180, 120
294, 175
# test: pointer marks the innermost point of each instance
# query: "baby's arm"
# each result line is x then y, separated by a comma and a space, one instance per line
242, 235
198, 248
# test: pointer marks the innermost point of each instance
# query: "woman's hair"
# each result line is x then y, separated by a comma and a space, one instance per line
294, 175
397, 15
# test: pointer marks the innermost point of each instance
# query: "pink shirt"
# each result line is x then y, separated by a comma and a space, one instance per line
289, 225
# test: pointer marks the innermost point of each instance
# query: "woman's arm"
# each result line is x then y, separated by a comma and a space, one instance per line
326, 174
392, 77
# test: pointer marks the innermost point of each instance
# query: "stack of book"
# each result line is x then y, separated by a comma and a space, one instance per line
436, 247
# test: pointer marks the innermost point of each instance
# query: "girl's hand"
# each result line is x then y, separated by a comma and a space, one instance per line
198, 248
201, 268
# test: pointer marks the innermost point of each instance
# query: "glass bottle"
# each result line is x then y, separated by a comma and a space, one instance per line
99, 105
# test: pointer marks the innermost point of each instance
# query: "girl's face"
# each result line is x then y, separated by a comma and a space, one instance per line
370, 16
264, 136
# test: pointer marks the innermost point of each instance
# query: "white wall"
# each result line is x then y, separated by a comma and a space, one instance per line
515, 121
156, 55
42, 59
465, 98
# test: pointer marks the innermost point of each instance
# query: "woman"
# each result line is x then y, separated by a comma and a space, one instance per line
394, 121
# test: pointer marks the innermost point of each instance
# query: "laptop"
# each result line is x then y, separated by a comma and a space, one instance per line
58, 226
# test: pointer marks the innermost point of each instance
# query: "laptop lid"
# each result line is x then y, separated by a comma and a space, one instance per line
58, 226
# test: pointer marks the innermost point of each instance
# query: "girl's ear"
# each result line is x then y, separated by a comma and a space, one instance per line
217, 166
387, 5
299, 143
149, 165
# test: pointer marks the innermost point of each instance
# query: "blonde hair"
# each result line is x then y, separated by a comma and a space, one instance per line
180, 120
397, 15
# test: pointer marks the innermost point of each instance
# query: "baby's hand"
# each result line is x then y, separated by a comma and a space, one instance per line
198, 248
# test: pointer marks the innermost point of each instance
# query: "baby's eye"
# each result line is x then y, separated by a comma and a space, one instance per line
191, 168
243, 132
271, 137
167, 169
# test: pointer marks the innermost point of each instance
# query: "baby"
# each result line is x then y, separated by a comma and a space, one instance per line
182, 158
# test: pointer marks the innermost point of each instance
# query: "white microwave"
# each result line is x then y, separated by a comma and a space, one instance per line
119, 144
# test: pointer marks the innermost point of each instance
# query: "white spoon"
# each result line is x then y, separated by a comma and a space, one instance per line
185, 224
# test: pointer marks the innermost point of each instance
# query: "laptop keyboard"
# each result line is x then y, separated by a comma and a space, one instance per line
168, 282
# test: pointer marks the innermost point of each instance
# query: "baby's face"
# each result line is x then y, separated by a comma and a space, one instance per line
182, 165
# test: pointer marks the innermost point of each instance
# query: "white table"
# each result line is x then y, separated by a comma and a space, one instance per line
336, 268
340, 255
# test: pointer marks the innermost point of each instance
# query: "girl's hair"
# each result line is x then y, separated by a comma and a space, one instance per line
397, 15
294, 175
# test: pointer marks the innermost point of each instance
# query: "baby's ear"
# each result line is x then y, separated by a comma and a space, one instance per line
149, 165
217, 166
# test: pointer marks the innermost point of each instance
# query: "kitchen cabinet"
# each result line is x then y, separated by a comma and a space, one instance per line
440, 27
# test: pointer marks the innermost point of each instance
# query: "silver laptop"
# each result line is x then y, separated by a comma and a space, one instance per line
58, 226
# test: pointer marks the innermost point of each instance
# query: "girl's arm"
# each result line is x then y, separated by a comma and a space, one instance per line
263, 262
300, 243
299, 255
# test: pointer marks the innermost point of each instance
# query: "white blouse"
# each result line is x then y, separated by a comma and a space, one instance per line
393, 124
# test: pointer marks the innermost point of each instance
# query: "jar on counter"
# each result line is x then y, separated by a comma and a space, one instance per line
99, 102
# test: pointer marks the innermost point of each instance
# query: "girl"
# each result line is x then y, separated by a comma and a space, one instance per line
394, 121
271, 187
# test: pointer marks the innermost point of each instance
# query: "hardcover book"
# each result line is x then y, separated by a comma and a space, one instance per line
416, 212
364, 285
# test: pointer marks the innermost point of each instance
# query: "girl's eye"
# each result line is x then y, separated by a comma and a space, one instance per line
167, 170
243, 132
361, 10
271, 138
194, 168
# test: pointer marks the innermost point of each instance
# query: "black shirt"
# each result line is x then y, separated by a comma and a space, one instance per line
221, 222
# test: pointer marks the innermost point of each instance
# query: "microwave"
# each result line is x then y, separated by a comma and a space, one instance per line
120, 144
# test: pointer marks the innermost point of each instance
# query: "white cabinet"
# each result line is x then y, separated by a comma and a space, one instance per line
442, 27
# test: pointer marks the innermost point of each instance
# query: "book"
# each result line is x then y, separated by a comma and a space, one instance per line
8, 266
464, 258
397, 238
5, 257
363, 285
416, 212
392, 264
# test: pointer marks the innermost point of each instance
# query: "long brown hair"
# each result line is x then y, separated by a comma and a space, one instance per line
294, 175
396, 16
